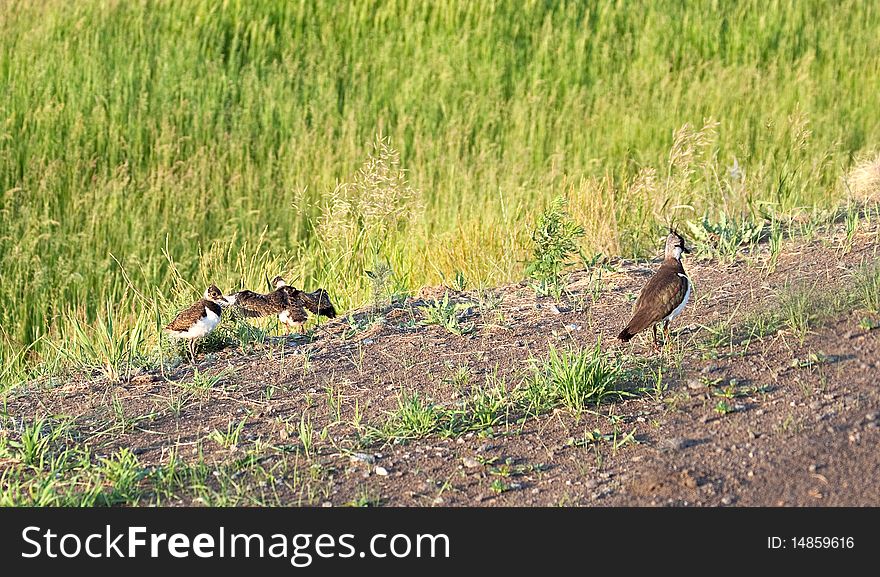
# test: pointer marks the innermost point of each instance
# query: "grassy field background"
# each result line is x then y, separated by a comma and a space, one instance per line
149, 148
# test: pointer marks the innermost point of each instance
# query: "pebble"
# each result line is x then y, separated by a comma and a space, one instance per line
816, 405
813, 467
726, 500
382, 471
363, 458
871, 417
674, 444
326, 504
694, 384
470, 462
368, 341
437, 501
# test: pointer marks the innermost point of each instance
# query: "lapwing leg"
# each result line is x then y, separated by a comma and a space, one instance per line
666, 333
656, 342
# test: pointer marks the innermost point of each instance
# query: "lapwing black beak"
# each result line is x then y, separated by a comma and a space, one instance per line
685, 249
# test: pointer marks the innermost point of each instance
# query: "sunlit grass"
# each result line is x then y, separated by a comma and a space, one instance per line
148, 149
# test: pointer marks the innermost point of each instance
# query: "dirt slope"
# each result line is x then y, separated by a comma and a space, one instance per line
798, 425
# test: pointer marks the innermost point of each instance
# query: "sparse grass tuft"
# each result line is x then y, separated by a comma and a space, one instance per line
576, 379
867, 283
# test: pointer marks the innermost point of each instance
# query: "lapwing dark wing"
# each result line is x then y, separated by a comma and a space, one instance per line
199, 319
664, 296
289, 303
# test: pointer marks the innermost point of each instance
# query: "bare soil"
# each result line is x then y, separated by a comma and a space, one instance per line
799, 425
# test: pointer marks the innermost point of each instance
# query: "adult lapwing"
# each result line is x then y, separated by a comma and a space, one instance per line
199, 319
665, 295
289, 303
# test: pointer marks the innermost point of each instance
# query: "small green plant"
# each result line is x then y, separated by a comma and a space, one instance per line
37, 442
445, 314
723, 407
414, 418
798, 311
459, 282
123, 473
775, 241
488, 405
306, 434
724, 238
460, 378
498, 486
204, 381
365, 498
555, 240
381, 278
851, 221
577, 378
868, 288
230, 437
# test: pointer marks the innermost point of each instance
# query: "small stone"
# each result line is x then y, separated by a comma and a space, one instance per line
726, 500
674, 444
326, 504
759, 412
368, 341
694, 384
750, 474
382, 471
813, 467
815, 405
363, 458
470, 462
437, 501
871, 417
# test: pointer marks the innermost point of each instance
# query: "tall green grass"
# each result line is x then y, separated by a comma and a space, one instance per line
148, 148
